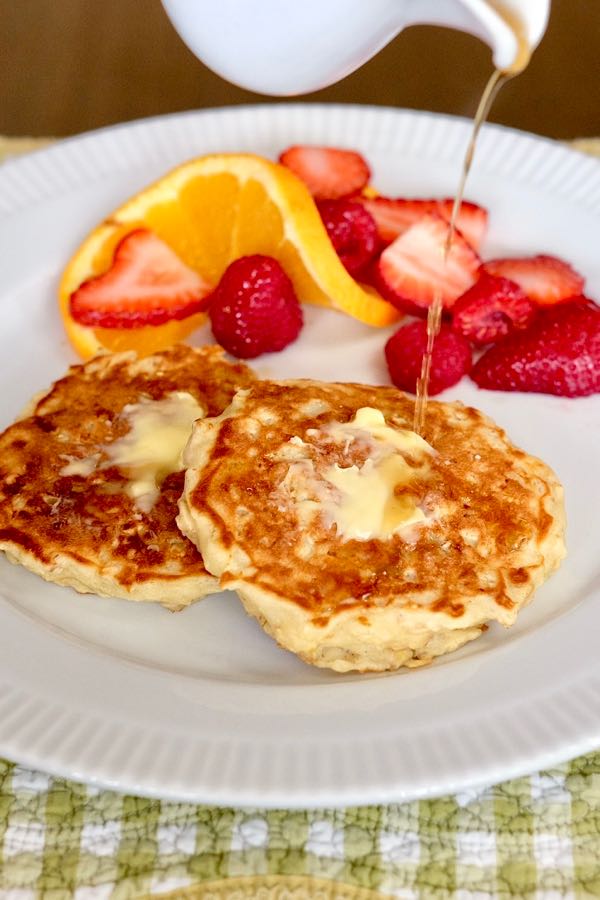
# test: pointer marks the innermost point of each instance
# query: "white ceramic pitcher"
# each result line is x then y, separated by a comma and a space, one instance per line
295, 46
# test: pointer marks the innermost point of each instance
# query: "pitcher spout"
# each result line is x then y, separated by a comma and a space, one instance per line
512, 28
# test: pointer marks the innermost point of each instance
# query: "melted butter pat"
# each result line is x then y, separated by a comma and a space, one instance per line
153, 446
367, 505
372, 421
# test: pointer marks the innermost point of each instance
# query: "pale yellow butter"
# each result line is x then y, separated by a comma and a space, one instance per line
365, 505
152, 448
372, 421
82, 467
368, 507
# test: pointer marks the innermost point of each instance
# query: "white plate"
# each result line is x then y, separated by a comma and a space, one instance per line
202, 705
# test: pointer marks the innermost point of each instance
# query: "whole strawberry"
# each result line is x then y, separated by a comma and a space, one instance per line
352, 231
558, 354
254, 308
404, 353
491, 309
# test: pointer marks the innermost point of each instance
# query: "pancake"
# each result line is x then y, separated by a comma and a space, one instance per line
355, 543
91, 475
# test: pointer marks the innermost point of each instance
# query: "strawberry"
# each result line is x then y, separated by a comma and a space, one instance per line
254, 308
352, 231
404, 353
545, 279
412, 270
558, 354
471, 220
394, 216
147, 284
327, 172
491, 309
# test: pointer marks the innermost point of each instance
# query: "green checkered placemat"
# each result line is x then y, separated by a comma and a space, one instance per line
531, 837
534, 837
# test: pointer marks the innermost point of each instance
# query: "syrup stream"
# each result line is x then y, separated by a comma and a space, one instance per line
434, 314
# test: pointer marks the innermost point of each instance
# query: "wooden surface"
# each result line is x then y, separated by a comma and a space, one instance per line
71, 65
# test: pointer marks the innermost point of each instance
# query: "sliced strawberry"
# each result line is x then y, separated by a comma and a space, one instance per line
412, 270
394, 216
491, 309
558, 354
147, 284
471, 221
545, 279
327, 172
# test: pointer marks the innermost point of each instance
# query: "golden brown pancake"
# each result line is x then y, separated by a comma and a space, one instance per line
355, 544
76, 510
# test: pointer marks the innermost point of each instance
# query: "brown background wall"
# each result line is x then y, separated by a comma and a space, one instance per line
71, 65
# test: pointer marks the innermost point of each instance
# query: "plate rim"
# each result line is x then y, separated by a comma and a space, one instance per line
51, 153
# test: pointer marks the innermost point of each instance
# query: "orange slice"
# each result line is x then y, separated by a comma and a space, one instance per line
211, 211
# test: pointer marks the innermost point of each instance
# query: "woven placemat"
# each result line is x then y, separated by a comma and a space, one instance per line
16, 146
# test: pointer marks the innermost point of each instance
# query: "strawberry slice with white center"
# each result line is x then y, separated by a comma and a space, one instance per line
328, 172
147, 284
545, 279
394, 216
471, 221
412, 270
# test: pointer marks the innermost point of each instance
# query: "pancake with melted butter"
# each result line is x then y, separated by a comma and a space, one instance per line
357, 544
91, 475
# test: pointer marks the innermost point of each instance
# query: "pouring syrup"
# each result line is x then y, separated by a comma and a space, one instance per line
498, 78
